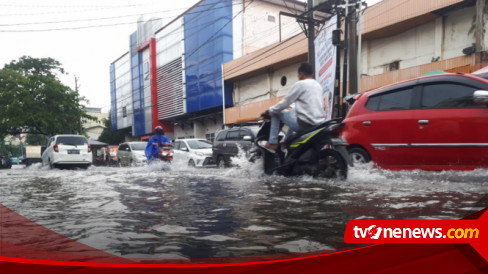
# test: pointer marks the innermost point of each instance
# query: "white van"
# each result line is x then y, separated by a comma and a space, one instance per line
67, 151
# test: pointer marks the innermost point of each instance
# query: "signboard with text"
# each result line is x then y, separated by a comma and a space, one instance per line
325, 65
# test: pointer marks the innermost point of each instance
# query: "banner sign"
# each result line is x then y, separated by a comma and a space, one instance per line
325, 65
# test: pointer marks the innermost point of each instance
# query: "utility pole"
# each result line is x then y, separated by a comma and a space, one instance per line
311, 35
346, 57
480, 7
337, 88
353, 49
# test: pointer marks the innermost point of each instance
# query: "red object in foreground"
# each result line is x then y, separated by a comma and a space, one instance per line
28, 247
435, 122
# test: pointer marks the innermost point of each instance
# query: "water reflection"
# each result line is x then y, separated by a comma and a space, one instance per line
183, 213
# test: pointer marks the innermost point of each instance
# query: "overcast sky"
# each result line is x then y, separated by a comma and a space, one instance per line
91, 35
85, 36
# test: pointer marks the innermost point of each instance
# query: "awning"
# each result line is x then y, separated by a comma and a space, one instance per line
434, 72
96, 144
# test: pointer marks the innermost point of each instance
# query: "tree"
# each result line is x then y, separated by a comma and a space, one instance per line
35, 139
108, 135
34, 100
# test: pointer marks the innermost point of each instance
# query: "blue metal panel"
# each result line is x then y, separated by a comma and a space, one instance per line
113, 98
208, 44
137, 87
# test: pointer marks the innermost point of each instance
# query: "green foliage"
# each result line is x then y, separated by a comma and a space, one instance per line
10, 150
36, 140
33, 99
109, 136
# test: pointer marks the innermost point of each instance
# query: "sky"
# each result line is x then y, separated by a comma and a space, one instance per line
84, 36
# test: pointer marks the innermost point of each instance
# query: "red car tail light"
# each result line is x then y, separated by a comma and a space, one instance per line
55, 147
89, 148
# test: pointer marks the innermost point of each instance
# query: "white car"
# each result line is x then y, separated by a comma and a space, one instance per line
132, 153
67, 151
195, 152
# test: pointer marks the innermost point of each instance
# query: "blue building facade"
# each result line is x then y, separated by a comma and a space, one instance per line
208, 44
137, 87
177, 80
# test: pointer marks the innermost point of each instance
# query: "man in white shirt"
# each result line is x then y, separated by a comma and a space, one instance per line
308, 112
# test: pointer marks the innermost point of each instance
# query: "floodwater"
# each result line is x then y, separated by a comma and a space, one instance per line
177, 212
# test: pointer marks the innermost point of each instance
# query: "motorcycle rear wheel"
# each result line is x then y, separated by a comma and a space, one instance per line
332, 165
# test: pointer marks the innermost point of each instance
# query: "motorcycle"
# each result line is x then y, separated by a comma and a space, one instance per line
165, 153
318, 151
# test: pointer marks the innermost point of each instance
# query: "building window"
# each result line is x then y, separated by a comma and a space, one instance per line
283, 81
394, 66
124, 112
210, 137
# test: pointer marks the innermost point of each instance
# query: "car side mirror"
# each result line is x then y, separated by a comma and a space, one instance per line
247, 138
184, 149
480, 97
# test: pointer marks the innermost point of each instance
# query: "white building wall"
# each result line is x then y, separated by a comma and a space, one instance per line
170, 48
123, 92
443, 38
261, 26
170, 43
237, 28
200, 128
457, 25
94, 132
265, 86
184, 132
146, 74
291, 74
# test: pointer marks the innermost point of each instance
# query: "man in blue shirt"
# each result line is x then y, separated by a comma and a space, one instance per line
158, 139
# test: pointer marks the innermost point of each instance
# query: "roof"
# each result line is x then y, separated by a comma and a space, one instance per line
273, 57
390, 17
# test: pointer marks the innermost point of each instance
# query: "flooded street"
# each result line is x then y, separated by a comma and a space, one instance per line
177, 212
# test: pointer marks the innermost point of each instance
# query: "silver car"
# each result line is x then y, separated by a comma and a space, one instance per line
132, 153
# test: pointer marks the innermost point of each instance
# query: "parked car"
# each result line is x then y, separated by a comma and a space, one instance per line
195, 152
67, 151
434, 122
132, 153
227, 141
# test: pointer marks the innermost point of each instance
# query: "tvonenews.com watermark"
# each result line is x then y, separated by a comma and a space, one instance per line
473, 232
375, 232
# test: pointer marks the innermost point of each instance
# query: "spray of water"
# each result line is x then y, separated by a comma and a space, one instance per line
245, 168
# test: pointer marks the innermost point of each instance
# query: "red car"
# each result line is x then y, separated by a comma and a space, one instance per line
435, 122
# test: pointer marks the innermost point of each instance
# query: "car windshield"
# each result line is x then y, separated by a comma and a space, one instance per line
71, 141
199, 144
138, 146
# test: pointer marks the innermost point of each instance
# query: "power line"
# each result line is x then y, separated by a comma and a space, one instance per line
103, 18
218, 31
261, 54
108, 18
